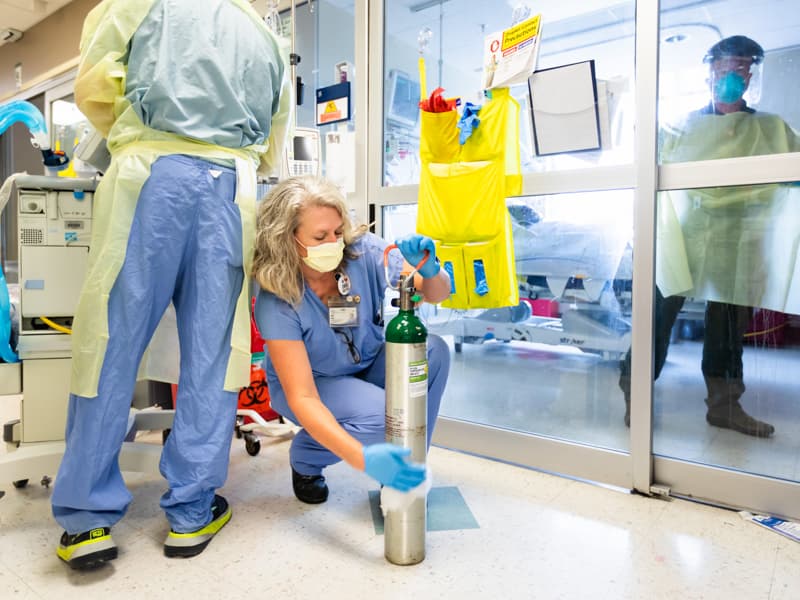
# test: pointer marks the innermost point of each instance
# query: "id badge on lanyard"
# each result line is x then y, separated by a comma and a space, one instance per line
343, 310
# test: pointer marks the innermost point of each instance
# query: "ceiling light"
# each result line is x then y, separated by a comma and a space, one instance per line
9, 35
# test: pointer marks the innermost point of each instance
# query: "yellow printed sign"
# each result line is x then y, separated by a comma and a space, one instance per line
509, 56
521, 33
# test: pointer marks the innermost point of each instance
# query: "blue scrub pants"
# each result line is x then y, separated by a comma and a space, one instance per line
185, 245
359, 404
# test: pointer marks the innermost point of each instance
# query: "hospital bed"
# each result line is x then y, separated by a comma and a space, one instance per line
586, 269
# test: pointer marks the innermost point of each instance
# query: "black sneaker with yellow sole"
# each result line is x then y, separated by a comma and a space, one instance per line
87, 550
185, 545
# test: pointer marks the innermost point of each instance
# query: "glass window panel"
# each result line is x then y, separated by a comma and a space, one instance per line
551, 364
325, 37
707, 98
306, 40
726, 331
571, 32
726, 311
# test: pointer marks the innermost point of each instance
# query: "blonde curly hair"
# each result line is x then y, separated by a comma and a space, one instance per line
276, 263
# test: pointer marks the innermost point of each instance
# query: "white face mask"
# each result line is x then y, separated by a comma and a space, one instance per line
325, 257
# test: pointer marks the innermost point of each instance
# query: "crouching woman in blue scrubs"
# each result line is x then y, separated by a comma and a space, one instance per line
309, 260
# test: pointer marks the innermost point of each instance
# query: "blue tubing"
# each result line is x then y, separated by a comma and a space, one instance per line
21, 111
6, 353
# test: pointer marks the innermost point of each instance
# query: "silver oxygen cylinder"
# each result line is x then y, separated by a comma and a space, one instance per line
407, 422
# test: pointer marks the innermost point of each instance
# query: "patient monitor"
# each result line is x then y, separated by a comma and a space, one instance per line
302, 153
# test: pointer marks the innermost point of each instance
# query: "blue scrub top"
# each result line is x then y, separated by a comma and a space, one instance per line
328, 350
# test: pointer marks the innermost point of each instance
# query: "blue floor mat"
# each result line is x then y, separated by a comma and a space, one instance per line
447, 510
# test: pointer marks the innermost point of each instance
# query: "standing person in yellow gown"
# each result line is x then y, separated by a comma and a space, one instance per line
728, 246
191, 97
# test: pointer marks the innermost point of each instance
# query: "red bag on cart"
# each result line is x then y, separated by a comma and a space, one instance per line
256, 395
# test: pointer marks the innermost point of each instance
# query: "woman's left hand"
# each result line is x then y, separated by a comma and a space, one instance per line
413, 248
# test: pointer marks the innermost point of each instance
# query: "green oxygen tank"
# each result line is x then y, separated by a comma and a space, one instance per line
407, 420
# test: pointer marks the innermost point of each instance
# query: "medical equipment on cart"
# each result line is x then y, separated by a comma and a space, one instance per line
54, 220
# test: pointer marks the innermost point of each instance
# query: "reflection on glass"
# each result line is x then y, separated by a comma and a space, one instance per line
725, 97
549, 365
728, 285
602, 31
728, 282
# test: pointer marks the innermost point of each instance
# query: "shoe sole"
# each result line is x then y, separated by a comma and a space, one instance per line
93, 561
186, 545
308, 500
88, 560
185, 551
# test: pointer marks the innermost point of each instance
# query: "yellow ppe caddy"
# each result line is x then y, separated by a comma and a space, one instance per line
462, 195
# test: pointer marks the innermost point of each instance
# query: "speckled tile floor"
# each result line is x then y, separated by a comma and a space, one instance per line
539, 536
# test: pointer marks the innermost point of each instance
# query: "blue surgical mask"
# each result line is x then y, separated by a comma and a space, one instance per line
729, 88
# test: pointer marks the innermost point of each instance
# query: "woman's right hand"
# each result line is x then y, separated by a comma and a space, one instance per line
389, 464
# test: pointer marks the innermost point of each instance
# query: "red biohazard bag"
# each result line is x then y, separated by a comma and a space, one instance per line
256, 395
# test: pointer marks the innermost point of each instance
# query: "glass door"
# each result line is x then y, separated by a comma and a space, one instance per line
536, 383
726, 423
706, 220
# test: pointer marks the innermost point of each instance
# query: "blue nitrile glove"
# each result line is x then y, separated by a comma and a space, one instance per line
389, 465
413, 247
468, 122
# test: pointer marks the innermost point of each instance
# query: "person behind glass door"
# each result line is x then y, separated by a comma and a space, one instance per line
309, 262
192, 97
725, 234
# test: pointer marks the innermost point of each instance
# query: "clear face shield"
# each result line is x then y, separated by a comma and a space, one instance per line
732, 78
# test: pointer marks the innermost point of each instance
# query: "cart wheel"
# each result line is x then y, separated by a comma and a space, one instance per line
46, 481
252, 444
20, 483
238, 432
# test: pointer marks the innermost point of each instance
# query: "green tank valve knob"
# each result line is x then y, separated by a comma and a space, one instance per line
416, 298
